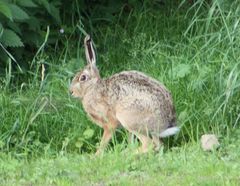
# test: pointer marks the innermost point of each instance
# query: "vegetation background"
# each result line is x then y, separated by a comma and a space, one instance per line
193, 47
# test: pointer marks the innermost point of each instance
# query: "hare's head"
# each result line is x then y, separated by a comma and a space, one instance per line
87, 77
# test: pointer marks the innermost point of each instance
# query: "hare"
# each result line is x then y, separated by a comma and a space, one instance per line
132, 99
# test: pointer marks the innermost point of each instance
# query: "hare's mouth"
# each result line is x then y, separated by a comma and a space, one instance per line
74, 95
73, 90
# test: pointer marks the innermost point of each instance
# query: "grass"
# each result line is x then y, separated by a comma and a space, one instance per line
185, 165
46, 138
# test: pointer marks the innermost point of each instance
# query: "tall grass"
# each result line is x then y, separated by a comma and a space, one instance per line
193, 50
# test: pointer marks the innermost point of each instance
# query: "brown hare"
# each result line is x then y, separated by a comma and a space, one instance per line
139, 103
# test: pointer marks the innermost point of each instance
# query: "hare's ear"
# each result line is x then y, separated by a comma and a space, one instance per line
89, 51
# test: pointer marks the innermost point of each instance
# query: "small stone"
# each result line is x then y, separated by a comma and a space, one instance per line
209, 142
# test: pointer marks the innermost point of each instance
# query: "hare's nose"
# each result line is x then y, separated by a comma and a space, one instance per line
70, 90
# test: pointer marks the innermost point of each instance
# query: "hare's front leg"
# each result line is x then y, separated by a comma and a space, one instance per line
108, 130
107, 135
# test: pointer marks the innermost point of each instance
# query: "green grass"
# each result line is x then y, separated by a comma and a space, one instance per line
46, 138
185, 165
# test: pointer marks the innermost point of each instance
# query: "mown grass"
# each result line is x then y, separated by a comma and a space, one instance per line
185, 165
193, 51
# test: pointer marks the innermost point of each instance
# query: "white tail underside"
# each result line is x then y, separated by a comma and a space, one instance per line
169, 132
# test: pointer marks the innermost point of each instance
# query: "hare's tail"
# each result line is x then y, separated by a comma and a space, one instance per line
169, 132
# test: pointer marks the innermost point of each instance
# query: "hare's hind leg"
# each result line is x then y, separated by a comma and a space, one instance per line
157, 143
146, 143
133, 123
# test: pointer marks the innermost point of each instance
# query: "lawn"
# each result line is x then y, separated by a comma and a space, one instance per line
185, 165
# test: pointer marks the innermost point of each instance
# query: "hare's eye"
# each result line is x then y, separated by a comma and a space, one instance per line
83, 78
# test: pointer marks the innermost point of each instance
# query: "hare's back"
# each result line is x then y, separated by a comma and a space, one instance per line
139, 90
134, 82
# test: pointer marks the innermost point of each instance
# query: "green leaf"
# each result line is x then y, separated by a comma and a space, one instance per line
11, 39
52, 10
45, 4
88, 133
3, 56
5, 10
55, 13
33, 24
200, 77
32, 38
183, 116
14, 26
1, 144
18, 13
180, 71
1, 30
26, 3
79, 144
65, 142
